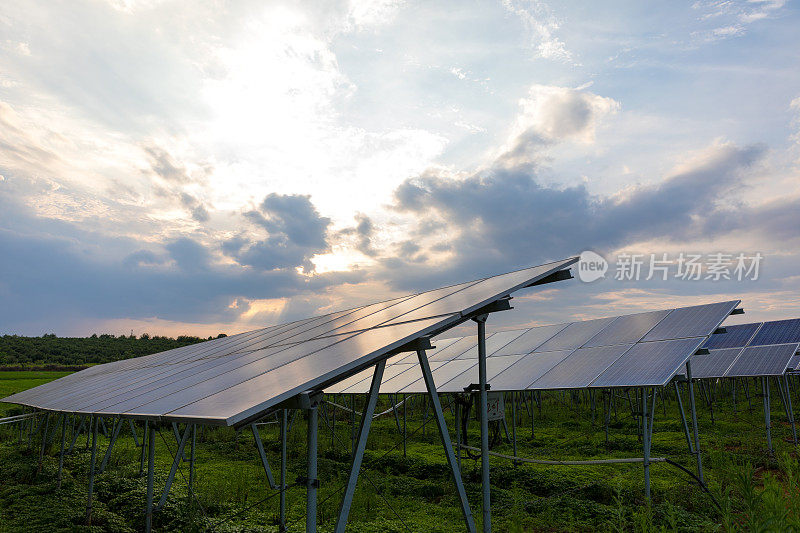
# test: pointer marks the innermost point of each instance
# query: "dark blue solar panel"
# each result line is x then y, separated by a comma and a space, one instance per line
735, 337
778, 332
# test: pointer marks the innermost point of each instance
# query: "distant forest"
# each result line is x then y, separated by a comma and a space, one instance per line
77, 351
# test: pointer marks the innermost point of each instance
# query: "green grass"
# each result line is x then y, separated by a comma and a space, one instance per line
756, 492
14, 382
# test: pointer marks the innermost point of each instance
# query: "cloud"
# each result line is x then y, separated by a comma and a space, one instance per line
295, 233
542, 27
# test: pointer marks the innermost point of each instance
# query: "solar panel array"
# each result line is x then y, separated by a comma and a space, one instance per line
643, 349
237, 378
751, 350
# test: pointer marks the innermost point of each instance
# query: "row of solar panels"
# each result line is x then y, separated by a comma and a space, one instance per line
642, 349
236, 378
757, 349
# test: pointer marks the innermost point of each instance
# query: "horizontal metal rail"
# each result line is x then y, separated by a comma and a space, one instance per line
569, 463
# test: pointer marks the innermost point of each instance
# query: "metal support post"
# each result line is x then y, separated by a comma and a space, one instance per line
311, 479
44, 441
61, 455
486, 488
405, 403
444, 434
693, 407
150, 435
767, 419
282, 517
144, 446
458, 434
91, 471
133, 432
514, 424
645, 444
361, 444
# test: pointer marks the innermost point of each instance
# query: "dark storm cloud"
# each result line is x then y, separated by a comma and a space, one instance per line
505, 217
296, 232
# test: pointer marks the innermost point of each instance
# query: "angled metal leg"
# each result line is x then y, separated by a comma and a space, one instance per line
789, 410
683, 419
114, 436
44, 441
174, 469
361, 444
695, 430
144, 446
263, 456
191, 460
133, 432
444, 434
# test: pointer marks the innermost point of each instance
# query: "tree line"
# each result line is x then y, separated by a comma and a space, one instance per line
16, 350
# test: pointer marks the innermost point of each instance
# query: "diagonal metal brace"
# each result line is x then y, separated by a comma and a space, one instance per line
264, 462
172, 471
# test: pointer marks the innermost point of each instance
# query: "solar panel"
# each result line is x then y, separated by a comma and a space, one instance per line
695, 321
442, 375
794, 363
627, 329
454, 350
575, 335
494, 365
438, 346
580, 368
493, 344
734, 337
530, 340
714, 364
778, 332
230, 380
770, 360
530, 367
649, 363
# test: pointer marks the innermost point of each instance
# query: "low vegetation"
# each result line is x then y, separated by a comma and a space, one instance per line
753, 490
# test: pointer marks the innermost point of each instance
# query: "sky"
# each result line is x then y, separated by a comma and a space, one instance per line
174, 167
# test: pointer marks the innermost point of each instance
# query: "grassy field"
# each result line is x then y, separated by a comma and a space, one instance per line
755, 491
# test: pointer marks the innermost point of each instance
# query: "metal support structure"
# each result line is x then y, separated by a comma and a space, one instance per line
695, 430
405, 403
133, 432
646, 444
458, 434
191, 460
150, 435
361, 444
91, 471
114, 436
789, 410
144, 446
767, 419
175, 463
683, 419
263, 456
444, 434
61, 454
514, 424
44, 441
311, 479
282, 517
485, 483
